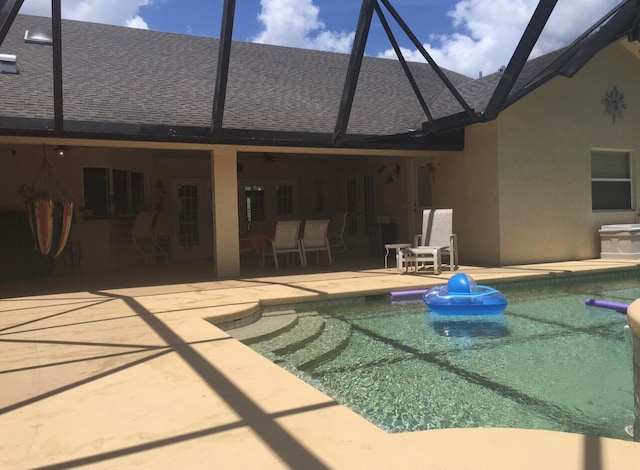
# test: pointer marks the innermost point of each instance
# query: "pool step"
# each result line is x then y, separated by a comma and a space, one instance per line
307, 329
334, 337
269, 325
301, 340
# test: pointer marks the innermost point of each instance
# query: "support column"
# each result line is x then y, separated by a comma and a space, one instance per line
224, 203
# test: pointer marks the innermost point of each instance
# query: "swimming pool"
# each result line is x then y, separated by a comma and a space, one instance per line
549, 362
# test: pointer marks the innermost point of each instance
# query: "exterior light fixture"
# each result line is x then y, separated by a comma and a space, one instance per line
268, 160
61, 151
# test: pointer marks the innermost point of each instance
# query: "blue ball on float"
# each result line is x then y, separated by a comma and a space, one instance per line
461, 283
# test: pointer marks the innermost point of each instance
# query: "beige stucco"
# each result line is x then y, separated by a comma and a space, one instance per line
521, 189
544, 150
225, 213
473, 191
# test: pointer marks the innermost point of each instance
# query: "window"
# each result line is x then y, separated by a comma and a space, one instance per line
265, 201
255, 201
188, 223
425, 175
284, 199
352, 206
611, 180
369, 207
112, 193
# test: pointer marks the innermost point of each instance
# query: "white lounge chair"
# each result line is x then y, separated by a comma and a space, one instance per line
337, 227
140, 243
286, 240
162, 236
315, 239
437, 239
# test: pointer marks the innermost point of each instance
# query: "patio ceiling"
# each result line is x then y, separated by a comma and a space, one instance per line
437, 131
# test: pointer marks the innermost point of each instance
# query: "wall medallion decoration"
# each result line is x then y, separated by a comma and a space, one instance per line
613, 102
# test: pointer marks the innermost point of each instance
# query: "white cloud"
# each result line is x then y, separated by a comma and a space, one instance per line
296, 23
488, 31
117, 12
137, 22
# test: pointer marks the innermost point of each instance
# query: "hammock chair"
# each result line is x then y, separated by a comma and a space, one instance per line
50, 212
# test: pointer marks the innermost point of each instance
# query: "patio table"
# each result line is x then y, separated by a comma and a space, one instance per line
397, 247
423, 253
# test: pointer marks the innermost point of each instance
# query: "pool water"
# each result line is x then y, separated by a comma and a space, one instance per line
549, 362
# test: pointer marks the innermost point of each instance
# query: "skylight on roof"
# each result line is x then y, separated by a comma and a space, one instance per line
8, 63
38, 36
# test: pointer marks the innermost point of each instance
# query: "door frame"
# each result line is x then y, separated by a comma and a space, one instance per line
205, 220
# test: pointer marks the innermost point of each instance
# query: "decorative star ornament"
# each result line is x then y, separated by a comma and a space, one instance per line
613, 102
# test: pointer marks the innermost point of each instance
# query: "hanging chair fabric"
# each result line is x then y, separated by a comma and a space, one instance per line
50, 212
50, 224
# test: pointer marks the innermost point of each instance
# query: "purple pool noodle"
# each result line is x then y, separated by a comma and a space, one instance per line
621, 308
407, 293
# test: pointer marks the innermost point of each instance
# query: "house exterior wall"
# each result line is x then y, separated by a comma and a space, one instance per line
521, 189
544, 161
468, 182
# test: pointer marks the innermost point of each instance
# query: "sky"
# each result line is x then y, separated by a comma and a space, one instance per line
467, 36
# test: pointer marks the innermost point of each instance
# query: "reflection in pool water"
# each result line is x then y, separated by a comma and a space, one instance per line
471, 326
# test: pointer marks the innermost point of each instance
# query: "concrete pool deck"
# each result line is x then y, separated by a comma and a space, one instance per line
140, 377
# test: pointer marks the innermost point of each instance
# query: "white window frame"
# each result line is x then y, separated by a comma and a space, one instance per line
608, 175
110, 210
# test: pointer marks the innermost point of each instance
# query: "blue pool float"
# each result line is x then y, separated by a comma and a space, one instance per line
462, 296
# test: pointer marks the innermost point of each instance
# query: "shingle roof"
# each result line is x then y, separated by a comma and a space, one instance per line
477, 93
114, 74
120, 82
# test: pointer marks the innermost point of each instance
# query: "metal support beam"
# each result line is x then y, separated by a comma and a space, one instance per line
519, 57
620, 22
428, 58
8, 12
634, 33
610, 27
403, 62
353, 71
616, 26
222, 73
58, 101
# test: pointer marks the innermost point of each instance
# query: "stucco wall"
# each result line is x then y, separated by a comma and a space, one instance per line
544, 145
468, 182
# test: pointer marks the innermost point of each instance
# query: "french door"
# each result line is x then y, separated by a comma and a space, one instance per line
192, 224
262, 202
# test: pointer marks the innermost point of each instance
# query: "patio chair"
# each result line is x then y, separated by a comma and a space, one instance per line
286, 240
337, 228
140, 242
162, 236
437, 239
315, 239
